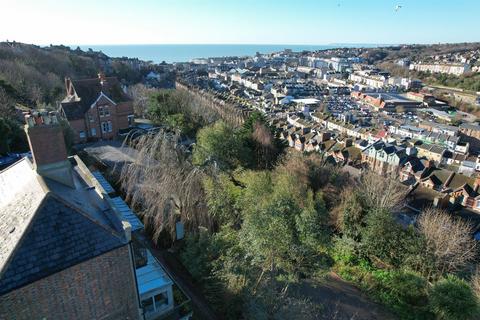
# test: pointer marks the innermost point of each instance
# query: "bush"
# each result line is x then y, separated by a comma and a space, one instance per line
452, 299
344, 250
403, 292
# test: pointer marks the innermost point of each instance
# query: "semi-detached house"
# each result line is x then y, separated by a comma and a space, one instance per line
96, 109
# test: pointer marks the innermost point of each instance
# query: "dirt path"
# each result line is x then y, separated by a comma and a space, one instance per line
341, 300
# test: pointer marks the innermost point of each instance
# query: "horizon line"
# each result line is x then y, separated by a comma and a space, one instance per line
246, 43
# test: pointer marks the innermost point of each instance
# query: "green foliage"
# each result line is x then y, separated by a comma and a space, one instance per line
174, 109
382, 238
353, 216
268, 236
345, 250
222, 199
68, 134
13, 138
221, 144
197, 254
469, 81
403, 292
249, 124
311, 223
260, 139
452, 299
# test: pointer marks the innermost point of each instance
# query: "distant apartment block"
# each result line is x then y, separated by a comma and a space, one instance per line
455, 69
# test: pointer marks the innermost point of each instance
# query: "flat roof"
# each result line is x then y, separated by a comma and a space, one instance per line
391, 97
306, 101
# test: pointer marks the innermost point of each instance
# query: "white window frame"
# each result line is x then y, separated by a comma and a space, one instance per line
106, 111
154, 304
106, 126
100, 111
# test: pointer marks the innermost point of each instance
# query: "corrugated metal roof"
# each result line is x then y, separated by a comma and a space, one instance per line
127, 213
103, 182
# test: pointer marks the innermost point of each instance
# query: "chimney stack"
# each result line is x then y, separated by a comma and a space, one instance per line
45, 137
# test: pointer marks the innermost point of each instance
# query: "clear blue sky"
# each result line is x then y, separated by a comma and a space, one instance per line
239, 21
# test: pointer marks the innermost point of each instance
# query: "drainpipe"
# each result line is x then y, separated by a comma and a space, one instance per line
130, 250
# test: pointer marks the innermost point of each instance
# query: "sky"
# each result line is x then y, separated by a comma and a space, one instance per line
313, 22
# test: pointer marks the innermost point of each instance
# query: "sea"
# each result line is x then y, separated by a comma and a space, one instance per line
171, 53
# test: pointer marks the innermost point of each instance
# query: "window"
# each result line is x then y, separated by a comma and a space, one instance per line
82, 134
147, 305
155, 303
130, 120
106, 111
100, 111
90, 118
107, 126
94, 132
161, 300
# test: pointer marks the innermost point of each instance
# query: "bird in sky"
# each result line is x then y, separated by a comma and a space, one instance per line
398, 7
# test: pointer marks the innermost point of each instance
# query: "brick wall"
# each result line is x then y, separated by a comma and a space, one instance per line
47, 144
100, 288
77, 126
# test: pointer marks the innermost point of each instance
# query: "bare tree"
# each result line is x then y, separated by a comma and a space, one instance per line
165, 186
265, 149
140, 94
448, 239
381, 192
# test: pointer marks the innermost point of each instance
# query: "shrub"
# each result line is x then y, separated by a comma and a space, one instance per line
344, 250
405, 287
452, 298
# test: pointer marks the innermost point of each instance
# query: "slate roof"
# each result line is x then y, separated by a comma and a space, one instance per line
46, 226
87, 91
59, 237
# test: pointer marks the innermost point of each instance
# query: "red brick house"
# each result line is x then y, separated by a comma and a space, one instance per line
96, 108
65, 250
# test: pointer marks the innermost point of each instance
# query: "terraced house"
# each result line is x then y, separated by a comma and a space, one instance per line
96, 109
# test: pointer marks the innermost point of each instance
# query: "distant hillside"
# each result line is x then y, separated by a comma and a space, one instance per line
416, 51
387, 57
32, 75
